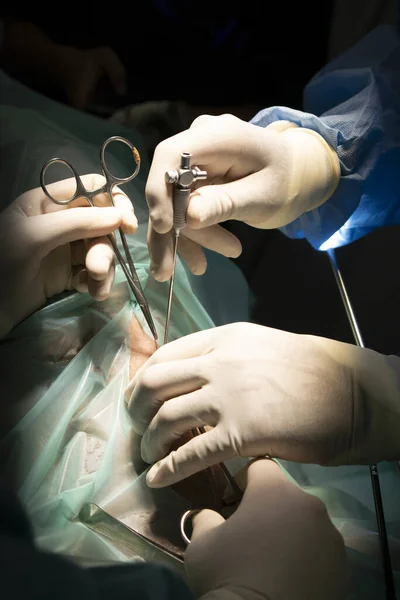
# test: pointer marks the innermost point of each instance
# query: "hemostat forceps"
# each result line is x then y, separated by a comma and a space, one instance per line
107, 188
183, 179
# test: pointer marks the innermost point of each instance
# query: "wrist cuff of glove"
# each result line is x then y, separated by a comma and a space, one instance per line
315, 167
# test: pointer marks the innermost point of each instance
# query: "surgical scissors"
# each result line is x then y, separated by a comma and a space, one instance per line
107, 188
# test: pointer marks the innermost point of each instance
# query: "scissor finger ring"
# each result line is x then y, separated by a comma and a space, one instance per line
185, 517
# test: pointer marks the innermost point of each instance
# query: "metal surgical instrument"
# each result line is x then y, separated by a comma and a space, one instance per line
182, 180
230, 501
107, 188
373, 469
105, 524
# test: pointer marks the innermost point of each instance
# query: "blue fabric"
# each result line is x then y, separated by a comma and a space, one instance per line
354, 103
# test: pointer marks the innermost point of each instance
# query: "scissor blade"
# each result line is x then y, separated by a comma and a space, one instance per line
171, 290
103, 523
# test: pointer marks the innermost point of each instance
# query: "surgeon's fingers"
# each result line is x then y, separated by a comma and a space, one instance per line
153, 385
35, 202
216, 238
129, 223
99, 258
262, 469
193, 255
216, 145
78, 253
176, 417
100, 267
193, 345
80, 280
160, 252
254, 199
202, 120
266, 487
199, 453
100, 290
44, 233
204, 521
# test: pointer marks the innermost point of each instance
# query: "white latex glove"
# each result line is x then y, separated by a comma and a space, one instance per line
264, 177
279, 545
264, 392
46, 248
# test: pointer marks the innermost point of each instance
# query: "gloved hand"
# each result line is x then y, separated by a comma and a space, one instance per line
279, 545
264, 177
46, 248
264, 392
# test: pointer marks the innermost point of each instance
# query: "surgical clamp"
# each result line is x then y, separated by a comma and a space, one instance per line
107, 188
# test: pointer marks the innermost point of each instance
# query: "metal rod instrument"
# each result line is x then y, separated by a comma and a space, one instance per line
373, 469
182, 179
